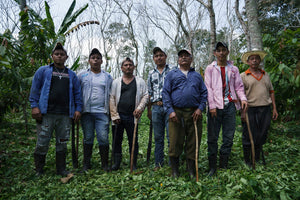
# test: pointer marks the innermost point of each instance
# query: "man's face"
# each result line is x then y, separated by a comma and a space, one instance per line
221, 53
254, 61
59, 57
160, 58
95, 61
185, 59
127, 68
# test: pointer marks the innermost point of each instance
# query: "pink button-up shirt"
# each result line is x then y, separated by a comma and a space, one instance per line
213, 82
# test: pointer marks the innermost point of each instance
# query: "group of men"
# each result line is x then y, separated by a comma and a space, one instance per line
176, 98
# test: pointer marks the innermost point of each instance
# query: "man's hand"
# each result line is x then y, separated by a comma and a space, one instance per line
213, 112
275, 114
244, 105
36, 114
137, 113
77, 116
197, 115
173, 117
117, 121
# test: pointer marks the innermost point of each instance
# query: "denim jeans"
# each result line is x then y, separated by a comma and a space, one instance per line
95, 121
127, 123
226, 119
160, 121
52, 122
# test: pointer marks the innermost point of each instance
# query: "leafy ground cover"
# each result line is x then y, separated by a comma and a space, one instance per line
279, 179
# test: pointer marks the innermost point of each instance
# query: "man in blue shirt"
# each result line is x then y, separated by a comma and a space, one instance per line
55, 97
184, 98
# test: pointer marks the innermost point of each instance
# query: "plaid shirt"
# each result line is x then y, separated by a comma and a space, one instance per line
156, 82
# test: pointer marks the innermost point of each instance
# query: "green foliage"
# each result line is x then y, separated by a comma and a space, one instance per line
283, 65
278, 180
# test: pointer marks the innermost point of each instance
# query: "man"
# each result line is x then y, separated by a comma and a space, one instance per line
157, 115
95, 86
184, 98
55, 97
260, 94
224, 86
128, 99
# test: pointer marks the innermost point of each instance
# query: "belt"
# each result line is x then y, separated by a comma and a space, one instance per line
158, 103
186, 109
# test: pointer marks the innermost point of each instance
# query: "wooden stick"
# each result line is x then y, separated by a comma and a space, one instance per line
251, 141
196, 154
133, 144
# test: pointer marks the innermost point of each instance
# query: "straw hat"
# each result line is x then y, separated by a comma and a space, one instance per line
254, 51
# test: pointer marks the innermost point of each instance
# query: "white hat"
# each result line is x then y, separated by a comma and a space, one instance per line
254, 51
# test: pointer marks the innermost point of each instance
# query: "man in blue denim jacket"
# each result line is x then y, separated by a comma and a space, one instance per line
55, 97
95, 85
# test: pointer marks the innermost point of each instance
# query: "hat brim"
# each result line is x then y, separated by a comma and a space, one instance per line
246, 55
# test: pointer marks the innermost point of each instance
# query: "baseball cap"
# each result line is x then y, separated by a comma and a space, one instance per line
220, 44
184, 51
156, 49
95, 51
58, 46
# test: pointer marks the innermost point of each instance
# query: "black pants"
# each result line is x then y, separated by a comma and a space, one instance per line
127, 123
259, 120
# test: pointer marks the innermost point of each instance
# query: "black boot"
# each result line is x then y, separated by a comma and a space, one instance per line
212, 160
104, 157
257, 153
175, 166
247, 153
39, 161
117, 161
87, 154
223, 161
61, 163
191, 168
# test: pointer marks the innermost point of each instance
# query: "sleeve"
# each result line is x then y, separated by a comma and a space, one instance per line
144, 96
239, 86
166, 94
208, 84
35, 90
203, 94
149, 85
77, 94
112, 102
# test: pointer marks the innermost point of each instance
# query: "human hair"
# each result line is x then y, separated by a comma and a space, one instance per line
127, 59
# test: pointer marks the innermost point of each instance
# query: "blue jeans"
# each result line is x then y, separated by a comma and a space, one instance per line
160, 123
52, 122
95, 121
226, 119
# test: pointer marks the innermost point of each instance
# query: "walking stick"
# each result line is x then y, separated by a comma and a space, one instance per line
251, 141
74, 153
196, 154
133, 144
149, 143
113, 145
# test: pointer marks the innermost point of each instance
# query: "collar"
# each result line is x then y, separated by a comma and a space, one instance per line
247, 72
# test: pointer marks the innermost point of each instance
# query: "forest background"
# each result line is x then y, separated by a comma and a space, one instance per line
131, 28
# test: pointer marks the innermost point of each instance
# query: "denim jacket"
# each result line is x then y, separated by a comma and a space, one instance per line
40, 88
213, 82
85, 79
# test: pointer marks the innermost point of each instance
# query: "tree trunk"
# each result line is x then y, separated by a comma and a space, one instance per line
253, 24
244, 26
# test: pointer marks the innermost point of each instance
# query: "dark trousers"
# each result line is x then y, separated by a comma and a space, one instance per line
259, 120
226, 119
127, 123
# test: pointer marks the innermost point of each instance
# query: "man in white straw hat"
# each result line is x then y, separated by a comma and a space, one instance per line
260, 94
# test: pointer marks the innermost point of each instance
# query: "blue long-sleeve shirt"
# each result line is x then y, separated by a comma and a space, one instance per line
184, 92
40, 88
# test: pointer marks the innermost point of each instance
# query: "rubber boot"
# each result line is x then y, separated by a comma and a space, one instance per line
247, 157
175, 166
212, 160
117, 161
223, 161
191, 168
104, 157
61, 163
87, 154
39, 161
257, 153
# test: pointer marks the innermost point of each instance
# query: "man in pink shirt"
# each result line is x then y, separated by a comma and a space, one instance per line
225, 89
